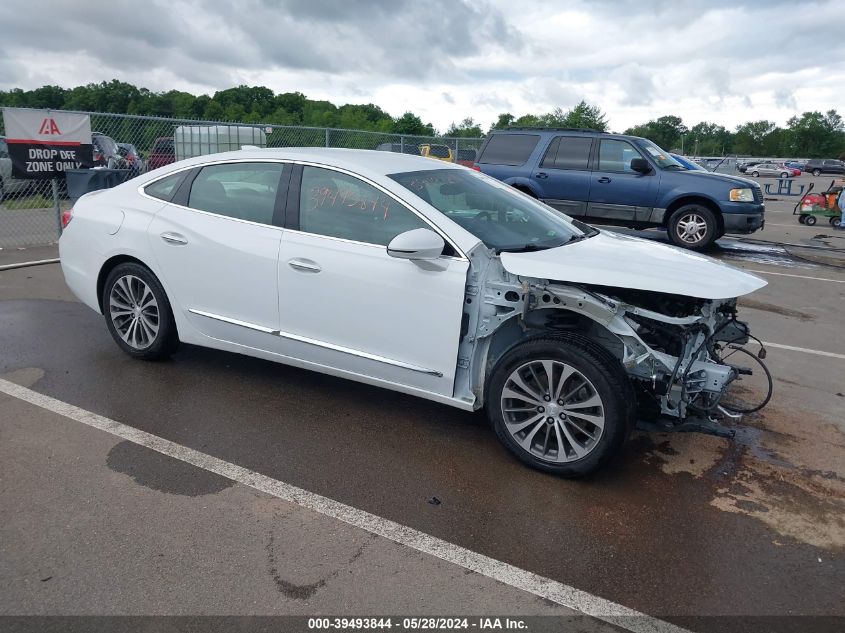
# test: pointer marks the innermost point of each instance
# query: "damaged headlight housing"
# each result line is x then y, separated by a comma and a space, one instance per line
742, 195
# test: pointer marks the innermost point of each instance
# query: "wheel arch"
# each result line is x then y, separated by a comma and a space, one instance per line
543, 322
109, 265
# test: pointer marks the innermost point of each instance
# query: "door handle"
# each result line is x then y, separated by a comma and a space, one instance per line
174, 238
304, 265
604, 180
541, 175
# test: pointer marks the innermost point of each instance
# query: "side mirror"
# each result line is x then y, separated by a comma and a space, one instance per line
416, 244
640, 165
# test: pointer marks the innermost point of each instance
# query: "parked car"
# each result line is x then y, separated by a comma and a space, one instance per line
796, 164
466, 157
162, 153
420, 276
772, 169
9, 184
622, 180
819, 166
440, 152
402, 148
132, 157
106, 152
744, 167
686, 163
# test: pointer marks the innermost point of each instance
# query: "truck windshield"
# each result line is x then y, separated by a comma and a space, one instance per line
663, 159
501, 217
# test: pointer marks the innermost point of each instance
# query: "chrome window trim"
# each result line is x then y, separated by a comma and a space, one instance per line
461, 255
318, 343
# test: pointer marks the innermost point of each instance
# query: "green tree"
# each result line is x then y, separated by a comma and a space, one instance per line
750, 138
467, 128
410, 123
665, 131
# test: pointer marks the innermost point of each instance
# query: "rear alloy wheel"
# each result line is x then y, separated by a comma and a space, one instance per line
138, 314
693, 226
560, 404
784, 175
756, 174
817, 172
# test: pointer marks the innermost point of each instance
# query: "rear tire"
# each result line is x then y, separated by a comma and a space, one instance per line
802, 219
817, 172
756, 174
570, 423
784, 175
138, 313
693, 226
810, 221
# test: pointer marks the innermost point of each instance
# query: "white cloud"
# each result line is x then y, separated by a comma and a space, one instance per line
722, 61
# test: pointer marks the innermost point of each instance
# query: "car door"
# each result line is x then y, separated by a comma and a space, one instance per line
217, 247
617, 192
345, 303
563, 175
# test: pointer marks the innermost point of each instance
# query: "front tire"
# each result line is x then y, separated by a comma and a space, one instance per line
810, 221
817, 172
693, 226
756, 174
561, 404
138, 313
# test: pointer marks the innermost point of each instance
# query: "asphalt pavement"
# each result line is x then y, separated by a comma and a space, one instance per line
682, 526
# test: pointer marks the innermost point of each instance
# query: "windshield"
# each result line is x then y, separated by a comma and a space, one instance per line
497, 214
663, 159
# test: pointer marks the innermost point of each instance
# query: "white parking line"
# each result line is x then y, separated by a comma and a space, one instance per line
804, 350
505, 573
767, 272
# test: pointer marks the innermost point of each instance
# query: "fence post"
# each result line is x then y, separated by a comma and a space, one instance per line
56, 205
401, 144
455, 159
327, 138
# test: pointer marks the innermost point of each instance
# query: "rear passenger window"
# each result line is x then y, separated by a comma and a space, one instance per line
246, 191
568, 152
616, 155
165, 188
509, 149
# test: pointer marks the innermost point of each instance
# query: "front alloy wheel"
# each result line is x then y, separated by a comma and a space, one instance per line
552, 411
560, 403
692, 226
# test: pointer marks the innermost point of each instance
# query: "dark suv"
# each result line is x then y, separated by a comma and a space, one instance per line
819, 166
622, 180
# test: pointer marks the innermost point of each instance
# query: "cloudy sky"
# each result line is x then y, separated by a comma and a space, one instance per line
723, 61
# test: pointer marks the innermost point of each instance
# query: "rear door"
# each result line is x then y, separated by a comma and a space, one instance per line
617, 192
563, 175
217, 246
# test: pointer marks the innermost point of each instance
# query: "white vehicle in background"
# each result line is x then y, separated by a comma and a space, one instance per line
770, 169
9, 184
415, 275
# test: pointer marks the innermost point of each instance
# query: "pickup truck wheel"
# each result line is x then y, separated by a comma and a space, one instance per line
817, 172
560, 404
693, 226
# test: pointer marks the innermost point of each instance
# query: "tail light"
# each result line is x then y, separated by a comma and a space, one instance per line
476, 167
67, 216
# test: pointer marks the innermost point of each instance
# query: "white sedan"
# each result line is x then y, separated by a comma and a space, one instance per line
415, 275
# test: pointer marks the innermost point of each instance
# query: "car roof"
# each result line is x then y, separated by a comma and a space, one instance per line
366, 162
568, 131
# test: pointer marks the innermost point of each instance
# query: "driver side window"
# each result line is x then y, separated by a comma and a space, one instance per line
337, 205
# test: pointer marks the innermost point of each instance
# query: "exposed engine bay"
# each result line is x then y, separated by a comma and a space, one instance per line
671, 346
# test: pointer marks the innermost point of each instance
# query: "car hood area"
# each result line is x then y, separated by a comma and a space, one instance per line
611, 259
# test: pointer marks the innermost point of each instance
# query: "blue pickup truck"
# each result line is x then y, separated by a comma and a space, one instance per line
622, 180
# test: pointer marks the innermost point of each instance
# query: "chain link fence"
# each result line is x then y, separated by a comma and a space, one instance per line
29, 210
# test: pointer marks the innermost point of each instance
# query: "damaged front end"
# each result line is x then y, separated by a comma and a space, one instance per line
671, 346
